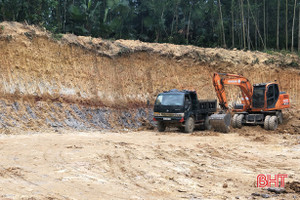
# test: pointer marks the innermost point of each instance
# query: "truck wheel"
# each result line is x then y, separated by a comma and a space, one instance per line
161, 127
273, 123
266, 122
189, 125
280, 117
207, 125
239, 121
234, 119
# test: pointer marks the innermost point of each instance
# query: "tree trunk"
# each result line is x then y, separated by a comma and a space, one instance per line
175, 19
65, 16
267, 24
188, 27
222, 25
256, 26
176, 27
172, 25
278, 19
293, 27
265, 36
243, 23
58, 17
286, 24
299, 32
157, 34
255, 21
232, 23
248, 27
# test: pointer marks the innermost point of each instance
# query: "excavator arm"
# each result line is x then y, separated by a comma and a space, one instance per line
231, 79
221, 121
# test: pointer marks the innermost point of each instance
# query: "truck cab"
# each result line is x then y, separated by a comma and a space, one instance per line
182, 109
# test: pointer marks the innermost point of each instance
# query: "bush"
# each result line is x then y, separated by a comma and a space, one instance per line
57, 36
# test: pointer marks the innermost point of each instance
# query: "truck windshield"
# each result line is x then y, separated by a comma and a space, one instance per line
169, 100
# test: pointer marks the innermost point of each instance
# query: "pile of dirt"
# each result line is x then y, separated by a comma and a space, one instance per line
38, 67
291, 122
293, 186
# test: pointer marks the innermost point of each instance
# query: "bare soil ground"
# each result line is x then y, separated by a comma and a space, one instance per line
146, 164
63, 97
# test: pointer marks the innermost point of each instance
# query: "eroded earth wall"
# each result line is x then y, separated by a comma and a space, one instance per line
65, 81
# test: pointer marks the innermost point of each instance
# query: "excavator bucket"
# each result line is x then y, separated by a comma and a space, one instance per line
220, 122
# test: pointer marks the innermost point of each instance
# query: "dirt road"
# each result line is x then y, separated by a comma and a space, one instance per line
144, 165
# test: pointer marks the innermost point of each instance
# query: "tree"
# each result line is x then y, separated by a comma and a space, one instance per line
248, 26
299, 32
286, 24
222, 24
293, 27
243, 23
265, 36
207, 23
232, 23
278, 19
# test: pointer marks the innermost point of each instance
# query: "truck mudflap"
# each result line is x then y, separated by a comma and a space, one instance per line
220, 122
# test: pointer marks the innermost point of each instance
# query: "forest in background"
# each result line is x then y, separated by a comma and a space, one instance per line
242, 24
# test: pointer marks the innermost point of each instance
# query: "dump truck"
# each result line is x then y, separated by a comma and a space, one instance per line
261, 104
182, 109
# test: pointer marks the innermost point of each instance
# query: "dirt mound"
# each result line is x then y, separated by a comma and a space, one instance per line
291, 123
293, 186
40, 68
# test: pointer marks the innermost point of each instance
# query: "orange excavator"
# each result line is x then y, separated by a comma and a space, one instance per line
261, 104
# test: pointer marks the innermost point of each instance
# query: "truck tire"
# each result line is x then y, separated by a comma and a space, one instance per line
189, 125
266, 122
280, 117
239, 121
234, 119
273, 123
161, 127
207, 125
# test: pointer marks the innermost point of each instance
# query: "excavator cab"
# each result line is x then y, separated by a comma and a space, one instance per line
272, 95
265, 95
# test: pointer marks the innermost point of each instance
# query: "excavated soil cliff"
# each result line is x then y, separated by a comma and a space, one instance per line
66, 81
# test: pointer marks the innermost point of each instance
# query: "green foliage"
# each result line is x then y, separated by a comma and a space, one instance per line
57, 36
268, 51
293, 64
269, 61
194, 22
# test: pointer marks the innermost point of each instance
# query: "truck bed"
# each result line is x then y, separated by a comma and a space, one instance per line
207, 105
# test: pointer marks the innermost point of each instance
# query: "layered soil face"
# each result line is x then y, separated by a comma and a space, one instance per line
59, 79
72, 89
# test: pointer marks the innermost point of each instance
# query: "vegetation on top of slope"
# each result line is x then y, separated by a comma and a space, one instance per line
112, 48
242, 24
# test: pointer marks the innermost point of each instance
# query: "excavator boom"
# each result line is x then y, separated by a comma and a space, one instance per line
221, 121
231, 79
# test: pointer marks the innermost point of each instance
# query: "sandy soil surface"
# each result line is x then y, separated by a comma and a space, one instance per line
145, 165
71, 94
